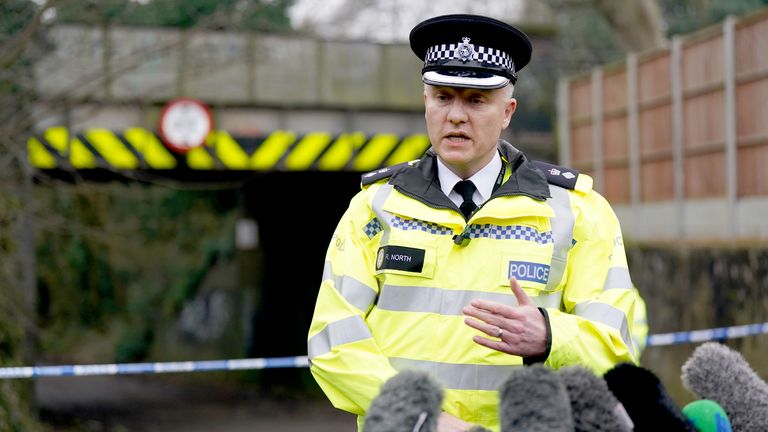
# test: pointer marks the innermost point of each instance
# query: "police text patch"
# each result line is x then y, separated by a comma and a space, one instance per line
528, 271
400, 258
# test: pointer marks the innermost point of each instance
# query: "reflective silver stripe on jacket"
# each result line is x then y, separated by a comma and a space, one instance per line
347, 330
458, 376
618, 278
562, 233
355, 292
448, 302
608, 315
384, 217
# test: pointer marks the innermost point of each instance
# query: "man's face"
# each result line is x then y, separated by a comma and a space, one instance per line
464, 124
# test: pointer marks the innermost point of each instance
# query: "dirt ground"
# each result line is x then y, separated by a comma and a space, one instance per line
154, 404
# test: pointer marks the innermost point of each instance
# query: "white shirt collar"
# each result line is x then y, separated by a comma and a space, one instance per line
484, 180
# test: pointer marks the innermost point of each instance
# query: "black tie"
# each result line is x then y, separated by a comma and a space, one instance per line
466, 189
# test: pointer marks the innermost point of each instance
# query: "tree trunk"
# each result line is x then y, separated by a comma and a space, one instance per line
638, 23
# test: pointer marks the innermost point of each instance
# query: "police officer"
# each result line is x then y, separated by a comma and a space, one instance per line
472, 260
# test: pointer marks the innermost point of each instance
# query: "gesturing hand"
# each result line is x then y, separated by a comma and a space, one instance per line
519, 330
449, 423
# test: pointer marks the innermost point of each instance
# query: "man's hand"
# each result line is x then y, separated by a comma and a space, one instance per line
519, 330
449, 423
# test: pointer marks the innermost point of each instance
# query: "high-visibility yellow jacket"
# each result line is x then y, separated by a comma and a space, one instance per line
640, 325
403, 262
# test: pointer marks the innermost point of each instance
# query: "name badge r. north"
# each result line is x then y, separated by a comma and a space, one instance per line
528, 271
400, 258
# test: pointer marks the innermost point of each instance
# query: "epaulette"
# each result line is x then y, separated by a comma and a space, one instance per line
382, 173
558, 175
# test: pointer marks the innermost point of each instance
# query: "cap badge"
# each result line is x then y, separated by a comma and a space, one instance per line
465, 50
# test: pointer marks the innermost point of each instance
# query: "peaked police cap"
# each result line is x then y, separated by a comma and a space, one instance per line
470, 51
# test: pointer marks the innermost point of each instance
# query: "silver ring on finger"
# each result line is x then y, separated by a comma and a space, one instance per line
501, 332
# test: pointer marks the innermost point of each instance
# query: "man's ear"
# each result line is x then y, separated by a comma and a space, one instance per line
509, 110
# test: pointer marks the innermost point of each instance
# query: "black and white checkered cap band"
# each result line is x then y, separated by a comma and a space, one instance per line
479, 53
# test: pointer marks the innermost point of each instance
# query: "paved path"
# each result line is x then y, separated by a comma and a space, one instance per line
169, 404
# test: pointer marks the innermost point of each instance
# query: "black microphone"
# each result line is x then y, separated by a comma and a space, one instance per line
534, 399
593, 405
721, 374
646, 400
409, 402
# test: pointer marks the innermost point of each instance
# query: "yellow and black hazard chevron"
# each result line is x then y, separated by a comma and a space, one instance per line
142, 149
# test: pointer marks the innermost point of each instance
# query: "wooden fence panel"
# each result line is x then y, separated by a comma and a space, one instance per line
657, 175
616, 178
581, 151
657, 178
615, 140
702, 64
751, 46
580, 100
704, 121
753, 170
656, 132
752, 109
654, 79
616, 187
655, 128
684, 128
705, 176
614, 91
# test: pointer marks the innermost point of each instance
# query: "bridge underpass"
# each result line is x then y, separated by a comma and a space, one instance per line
294, 186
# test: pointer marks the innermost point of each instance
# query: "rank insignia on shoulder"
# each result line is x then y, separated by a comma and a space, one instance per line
558, 175
382, 173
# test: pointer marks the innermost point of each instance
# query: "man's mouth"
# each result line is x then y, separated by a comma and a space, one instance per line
456, 137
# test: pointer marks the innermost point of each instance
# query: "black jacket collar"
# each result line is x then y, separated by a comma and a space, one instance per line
420, 180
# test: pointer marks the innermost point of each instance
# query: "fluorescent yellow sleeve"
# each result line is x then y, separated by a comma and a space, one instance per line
345, 360
594, 328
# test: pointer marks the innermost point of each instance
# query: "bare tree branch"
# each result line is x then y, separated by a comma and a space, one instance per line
26, 35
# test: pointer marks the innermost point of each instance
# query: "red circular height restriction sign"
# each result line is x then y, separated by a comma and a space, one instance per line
185, 124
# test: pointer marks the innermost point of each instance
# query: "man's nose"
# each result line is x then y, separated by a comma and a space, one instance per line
457, 113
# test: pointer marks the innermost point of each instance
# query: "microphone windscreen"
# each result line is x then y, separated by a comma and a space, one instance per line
721, 374
707, 416
409, 401
534, 399
593, 405
646, 400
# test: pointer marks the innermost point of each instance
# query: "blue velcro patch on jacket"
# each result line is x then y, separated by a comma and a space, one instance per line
528, 271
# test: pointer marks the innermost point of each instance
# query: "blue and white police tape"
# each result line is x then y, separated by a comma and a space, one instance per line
720, 333
661, 339
154, 368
